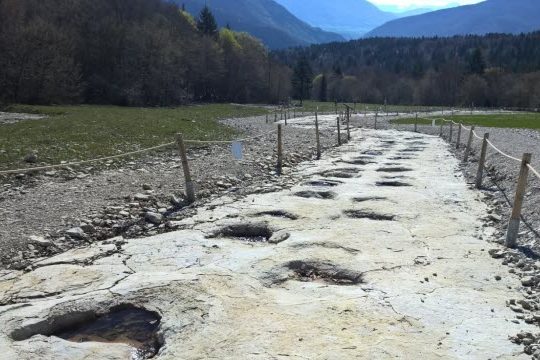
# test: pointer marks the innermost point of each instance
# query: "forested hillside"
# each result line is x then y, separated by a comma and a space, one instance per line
264, 19
151, 53
493, 70
136, 52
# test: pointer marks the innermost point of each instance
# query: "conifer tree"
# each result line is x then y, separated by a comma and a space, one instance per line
302, 79
477, 65
206, 23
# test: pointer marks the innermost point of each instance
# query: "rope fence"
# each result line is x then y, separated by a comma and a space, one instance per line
77, 163
343, 118
181, 142
525, 167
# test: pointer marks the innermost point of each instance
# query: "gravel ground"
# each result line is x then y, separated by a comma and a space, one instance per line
47, 213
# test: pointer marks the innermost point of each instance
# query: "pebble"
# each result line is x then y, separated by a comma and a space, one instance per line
142, 197
76, 233
39, 241
153, 218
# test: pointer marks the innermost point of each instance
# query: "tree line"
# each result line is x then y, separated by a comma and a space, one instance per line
495, 70
129, 52
153, 53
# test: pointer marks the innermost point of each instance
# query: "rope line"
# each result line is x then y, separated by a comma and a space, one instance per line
501, 152
533, 171
227, 141
77, 163
478, 137
16, 171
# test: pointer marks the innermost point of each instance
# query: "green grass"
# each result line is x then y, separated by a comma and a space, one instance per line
329, 107
86, 132
522, 120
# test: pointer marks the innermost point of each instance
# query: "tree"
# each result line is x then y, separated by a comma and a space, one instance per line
301, 79
323, 90
206, 23
477, 65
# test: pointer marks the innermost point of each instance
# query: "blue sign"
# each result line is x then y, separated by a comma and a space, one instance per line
237, 150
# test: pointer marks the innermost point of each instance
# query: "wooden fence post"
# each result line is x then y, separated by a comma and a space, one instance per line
285, 117
267, 118
441, 129
482, 162
279, 165
348, 124
275, 117
416, 123
190, 191
458, 136
317, 137
469, 144
376, 115
338, 132
513, 225
451, 132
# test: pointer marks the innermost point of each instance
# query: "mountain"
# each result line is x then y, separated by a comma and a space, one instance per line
350, 18
414, 12
264, 19
491, 16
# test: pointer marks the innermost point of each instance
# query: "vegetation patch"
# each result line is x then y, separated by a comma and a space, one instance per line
71, 133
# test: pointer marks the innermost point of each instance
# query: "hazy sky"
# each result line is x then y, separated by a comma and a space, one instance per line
406, 4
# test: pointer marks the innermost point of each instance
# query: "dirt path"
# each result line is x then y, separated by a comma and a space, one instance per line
379, 252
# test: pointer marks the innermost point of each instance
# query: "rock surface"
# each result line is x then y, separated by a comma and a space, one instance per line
419, 284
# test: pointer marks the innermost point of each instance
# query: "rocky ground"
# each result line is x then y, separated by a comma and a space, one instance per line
354, 261
49, 212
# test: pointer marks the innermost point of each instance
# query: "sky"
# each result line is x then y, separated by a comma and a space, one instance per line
402, 5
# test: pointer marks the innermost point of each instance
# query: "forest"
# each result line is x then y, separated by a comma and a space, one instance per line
136, 53
153, 53
495, 70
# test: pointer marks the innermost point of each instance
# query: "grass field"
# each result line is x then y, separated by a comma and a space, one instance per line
522, 121
330, 106
85, 132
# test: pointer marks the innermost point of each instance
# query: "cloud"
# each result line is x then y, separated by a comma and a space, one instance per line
404, 4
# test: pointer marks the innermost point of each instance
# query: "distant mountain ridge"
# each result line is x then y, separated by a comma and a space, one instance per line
350, 18
491, 16
264, 19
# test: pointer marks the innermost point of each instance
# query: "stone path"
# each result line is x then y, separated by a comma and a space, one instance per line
379, 253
